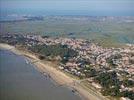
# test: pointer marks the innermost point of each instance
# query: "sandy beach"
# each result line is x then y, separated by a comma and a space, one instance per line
58, 76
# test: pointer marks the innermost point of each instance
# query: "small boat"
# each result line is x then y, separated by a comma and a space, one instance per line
73, 90
49, 76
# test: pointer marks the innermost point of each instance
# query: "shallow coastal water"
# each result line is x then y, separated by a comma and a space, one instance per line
19, 80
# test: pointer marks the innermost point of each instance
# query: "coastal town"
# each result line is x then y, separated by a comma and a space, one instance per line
108, 69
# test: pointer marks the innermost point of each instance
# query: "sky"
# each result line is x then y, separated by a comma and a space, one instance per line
69, 7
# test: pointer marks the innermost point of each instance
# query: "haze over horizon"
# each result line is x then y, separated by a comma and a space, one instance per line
68, 7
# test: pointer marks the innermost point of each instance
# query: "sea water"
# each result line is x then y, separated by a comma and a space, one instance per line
20, 80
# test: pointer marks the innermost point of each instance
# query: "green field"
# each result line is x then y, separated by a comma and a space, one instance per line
108, 33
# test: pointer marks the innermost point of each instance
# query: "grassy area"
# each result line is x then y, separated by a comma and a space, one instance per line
86, 85
108, 33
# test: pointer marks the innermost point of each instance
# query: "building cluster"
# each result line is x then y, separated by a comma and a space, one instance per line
95, 55
90, 55
121, 59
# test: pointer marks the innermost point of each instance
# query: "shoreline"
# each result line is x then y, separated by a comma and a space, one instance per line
59, 77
